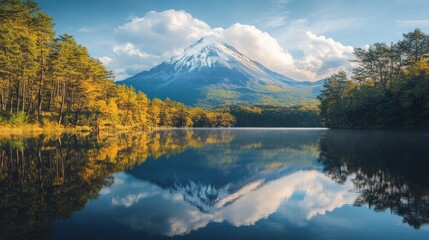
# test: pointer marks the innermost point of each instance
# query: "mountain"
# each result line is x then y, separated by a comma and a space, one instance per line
211, 73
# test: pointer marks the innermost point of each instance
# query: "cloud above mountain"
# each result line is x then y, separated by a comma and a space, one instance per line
145, 42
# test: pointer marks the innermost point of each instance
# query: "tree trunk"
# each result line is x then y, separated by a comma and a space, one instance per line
18, 99
23, 92
60, 117
39, 92
10, 95
1, 101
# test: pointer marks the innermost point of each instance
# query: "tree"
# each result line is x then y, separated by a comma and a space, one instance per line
332, 108
414, 47
380, 64
45, 34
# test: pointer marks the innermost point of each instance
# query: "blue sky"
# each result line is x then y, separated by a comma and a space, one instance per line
306, 39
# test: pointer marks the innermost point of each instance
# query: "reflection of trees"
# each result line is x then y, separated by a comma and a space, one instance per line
388, 169
47, 178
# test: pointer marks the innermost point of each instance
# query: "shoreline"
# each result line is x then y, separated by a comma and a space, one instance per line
34, 129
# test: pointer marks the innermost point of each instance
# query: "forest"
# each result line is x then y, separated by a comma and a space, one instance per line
276, 116
53, 81
389, 87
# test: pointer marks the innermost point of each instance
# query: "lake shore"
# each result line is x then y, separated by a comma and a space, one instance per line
51, 129
33, 129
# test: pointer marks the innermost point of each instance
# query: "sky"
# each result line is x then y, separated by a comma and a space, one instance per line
302, 39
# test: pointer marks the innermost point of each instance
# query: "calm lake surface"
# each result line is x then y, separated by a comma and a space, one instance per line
219, 183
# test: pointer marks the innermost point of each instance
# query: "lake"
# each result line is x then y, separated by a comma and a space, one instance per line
216, 183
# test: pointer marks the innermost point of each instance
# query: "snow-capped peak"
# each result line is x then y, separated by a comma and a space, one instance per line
209, 52
204, 42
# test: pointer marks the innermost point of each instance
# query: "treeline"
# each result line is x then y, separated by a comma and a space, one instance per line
389, 88
49, 80
276, 116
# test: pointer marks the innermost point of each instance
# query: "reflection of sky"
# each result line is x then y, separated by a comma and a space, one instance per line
301, 205
263, 182
298, 197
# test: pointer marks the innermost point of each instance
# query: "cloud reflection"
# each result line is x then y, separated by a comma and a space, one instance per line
298, 197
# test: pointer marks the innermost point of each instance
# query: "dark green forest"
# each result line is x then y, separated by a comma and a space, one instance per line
389, 87
276, 116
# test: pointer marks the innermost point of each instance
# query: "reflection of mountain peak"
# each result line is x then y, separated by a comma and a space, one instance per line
207, 197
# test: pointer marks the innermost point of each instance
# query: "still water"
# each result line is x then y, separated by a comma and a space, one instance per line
211, 184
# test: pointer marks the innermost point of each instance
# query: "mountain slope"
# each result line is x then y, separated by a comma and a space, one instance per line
211, 73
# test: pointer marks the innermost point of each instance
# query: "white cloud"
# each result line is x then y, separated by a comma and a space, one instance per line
144, 42
323, 56
105, 60
262, 47
164, 32
130, 50
320, 56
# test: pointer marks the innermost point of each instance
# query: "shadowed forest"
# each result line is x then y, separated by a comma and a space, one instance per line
389, 88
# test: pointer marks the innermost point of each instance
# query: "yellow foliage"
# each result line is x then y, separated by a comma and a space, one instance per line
419, 68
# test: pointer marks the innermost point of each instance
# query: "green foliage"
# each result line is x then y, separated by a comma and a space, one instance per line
49, 81
388, 89
272, 116
18, 118
14, 119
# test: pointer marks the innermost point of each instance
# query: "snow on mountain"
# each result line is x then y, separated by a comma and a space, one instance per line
210, 52
211, 72
207, 198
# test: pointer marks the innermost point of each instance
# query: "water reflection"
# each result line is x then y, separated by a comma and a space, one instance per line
49, 177
148, 207
174, 182
388, 169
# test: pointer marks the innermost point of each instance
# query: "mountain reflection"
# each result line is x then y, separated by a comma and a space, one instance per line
388, 169
145, 206
173, 182
218, 174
